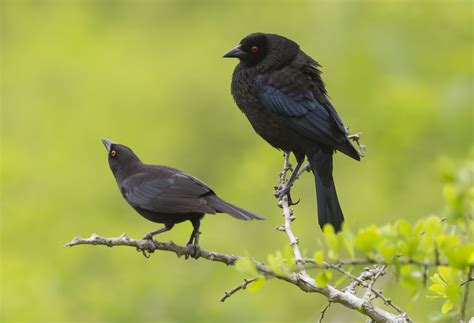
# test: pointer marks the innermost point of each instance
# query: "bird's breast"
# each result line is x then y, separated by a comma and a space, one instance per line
271, 127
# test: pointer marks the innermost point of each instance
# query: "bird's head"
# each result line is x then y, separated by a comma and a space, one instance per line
266, 50
121, 158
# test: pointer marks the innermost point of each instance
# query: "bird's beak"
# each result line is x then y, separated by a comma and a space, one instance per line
236, 52
107, 143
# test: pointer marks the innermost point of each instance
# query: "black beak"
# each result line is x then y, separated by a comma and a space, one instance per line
107, 143
236, 52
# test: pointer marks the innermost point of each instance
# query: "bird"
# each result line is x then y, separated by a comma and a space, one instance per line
166, 195
280, 90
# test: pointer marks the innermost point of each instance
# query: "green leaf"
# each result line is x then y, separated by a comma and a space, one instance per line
453, 292
439, 289
288, 256
436, 278
447, 306
459, 257
446, 273
256, 284
348, 242
388, 252
323, 278
331, 241
319, 258
432, 226
367, 239
246, 266
404, 228
452, 196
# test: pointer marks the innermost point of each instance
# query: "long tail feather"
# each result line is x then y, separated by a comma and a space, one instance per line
222, 206
329, 209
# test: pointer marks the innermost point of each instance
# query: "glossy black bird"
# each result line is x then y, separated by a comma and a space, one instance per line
166, 195
280, 90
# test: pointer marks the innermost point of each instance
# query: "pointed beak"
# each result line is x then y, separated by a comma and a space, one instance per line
107, 143
236, 52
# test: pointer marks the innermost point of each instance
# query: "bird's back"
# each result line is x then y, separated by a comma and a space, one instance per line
289, 107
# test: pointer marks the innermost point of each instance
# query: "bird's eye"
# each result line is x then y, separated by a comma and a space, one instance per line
254, 49
113, 153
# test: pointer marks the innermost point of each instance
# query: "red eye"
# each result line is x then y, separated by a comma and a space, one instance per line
254, 49
113, 153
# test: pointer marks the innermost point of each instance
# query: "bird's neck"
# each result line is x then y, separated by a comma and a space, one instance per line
122, 171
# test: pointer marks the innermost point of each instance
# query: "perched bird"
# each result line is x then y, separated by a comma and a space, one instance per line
166, 195
280, 90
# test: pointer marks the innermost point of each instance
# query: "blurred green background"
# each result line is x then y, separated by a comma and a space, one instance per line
149, 74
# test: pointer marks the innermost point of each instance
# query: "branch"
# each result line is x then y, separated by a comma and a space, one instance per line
323, 312
356, 137
368, 261
300, 278
237, 288
304, 283
288, 216
467, 281
371, 275
466, 293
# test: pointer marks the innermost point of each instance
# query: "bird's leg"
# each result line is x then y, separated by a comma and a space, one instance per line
285, 189
149, 235
194, 239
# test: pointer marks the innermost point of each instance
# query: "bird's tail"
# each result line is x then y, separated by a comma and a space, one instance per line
329, 210
349, 150
222, 206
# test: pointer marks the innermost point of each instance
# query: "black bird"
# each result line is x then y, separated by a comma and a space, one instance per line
166, 195
280, 90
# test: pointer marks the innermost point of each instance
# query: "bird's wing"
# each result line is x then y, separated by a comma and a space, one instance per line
174, 193
292, 94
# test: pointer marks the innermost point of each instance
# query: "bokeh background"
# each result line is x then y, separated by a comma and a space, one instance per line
149, 74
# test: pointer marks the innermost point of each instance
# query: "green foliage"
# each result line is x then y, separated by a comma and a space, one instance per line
408, 247
246, 266
446, 284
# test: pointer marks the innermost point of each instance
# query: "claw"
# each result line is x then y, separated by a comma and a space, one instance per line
193, 250
290, 202
148, 237
282, 191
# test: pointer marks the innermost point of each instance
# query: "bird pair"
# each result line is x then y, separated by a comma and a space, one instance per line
280, 90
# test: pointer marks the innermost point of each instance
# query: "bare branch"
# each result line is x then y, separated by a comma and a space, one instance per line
467, 281
377, 272
323, 312
288, 216
303, 282
356, 137
367, 261
237, 288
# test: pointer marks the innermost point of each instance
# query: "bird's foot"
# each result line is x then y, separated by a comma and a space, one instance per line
193, 250
282, 190
148, 236
285, 190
